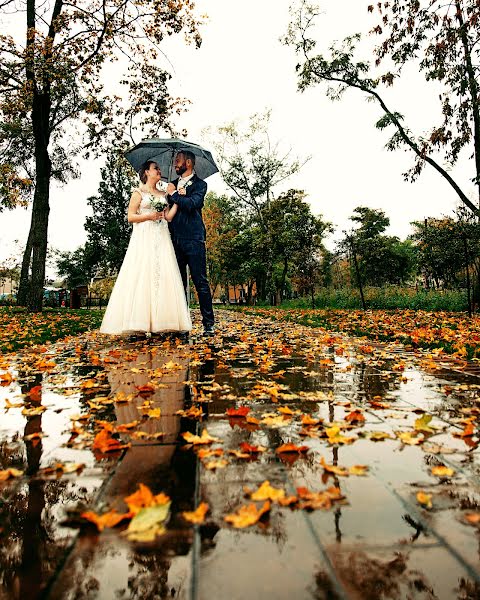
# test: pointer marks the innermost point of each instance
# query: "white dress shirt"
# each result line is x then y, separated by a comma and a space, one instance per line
182, 181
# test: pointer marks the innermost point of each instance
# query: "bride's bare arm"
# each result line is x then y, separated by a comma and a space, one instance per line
170, 212
133, 216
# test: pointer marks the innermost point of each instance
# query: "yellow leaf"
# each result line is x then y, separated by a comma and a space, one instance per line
442, 471
8, 473
247, 515
422, 424
197, 516
358, 470
154, 413
424, 499
267, 492
205, 438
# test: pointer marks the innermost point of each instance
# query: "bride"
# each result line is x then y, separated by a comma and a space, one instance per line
148, 295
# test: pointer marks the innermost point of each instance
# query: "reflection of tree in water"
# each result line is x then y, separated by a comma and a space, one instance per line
369, 381
371, 577
30, 544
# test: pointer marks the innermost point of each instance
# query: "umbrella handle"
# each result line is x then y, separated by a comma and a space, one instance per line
170, 167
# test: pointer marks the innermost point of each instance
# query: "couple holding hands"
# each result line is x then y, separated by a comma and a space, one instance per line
168, 235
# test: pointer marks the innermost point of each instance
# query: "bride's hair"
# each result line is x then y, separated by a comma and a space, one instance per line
142, 170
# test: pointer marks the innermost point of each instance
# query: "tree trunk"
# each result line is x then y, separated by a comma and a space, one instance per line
473, 89
284, 277
24, 283
41, 210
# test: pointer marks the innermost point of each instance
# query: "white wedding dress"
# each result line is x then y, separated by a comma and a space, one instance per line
148, 295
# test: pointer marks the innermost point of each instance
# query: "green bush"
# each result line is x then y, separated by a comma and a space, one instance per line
386, 298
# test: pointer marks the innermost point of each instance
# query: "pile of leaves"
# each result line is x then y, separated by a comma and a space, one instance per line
19, 328
453, 333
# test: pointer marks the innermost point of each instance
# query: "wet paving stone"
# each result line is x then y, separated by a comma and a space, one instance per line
399, 414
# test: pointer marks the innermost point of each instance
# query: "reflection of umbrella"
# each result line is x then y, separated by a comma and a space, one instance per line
163, 152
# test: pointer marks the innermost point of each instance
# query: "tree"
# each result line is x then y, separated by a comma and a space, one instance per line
381, 259
441, 37
54, 104
73, 266
252, 167
222, 222
442, 246
294, 234
108, 231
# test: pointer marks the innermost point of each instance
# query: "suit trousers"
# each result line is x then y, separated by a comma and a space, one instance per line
192, 253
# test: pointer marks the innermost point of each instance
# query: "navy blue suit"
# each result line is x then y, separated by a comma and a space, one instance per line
188, 236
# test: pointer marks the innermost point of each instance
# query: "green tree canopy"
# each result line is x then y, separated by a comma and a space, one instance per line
108, 231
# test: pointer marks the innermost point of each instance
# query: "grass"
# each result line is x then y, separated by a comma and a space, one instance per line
19, 328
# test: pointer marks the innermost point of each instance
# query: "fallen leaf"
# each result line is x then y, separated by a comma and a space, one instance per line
356, 416
148, 523
292, 448
205, 438
267, 492
9, 473
154, 413
334, 469
104, 442
108, 519
358, 470
472, 518
422, 424
33, 412
197, 516
192, 413
246, 447
318, 500
334, 437
207, 452
241, 412
409, 437
35, 394
144, 498
6, 379
424, 499
442, 471
247, 515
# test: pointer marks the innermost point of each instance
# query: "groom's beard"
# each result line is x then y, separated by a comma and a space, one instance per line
180, 170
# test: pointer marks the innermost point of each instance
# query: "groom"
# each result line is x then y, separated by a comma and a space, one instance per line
188, 232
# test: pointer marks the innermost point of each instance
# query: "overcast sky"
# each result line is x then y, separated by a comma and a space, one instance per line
242, 68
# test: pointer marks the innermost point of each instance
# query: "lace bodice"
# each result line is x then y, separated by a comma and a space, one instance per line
146, 203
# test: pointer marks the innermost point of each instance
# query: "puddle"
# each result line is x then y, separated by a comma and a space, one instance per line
378, 542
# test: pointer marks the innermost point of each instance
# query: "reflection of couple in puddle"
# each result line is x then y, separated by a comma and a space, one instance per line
168, 372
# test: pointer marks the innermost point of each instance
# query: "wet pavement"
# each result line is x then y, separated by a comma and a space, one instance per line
390, 528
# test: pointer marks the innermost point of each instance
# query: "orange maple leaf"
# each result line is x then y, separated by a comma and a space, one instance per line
144, 498
197, 516
104, 442
291, 448
108, 519
247, 515
242, 411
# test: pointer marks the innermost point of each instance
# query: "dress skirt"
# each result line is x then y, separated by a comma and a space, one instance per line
148, 295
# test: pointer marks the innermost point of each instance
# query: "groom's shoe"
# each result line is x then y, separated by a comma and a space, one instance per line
209, 330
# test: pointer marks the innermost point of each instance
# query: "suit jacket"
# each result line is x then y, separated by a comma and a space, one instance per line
188, 223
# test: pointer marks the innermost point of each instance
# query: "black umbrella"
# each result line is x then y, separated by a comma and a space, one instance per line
163, 153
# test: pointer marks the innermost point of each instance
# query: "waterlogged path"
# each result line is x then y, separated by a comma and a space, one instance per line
321, 467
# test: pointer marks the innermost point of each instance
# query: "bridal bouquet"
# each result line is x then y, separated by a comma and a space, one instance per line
159, 204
